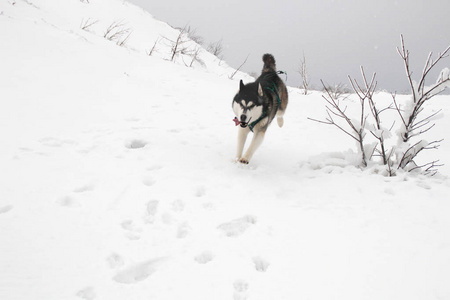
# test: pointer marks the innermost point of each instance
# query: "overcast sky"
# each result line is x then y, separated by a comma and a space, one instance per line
336, 36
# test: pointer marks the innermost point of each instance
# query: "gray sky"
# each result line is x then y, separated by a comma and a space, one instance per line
336, 36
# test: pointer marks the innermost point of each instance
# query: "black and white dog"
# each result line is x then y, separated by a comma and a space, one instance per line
256, 105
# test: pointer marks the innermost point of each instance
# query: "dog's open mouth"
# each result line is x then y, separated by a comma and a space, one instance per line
242, 124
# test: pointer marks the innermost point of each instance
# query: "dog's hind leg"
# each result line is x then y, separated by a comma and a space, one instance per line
280, 119
257, 140
242, 137
282, 108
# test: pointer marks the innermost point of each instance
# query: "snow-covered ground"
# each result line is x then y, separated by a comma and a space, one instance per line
118, 179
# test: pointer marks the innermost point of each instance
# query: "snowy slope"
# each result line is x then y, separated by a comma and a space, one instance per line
118, 180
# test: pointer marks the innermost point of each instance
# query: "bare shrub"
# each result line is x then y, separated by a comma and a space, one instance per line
414, 122
195, 57
354, 128
303, 70
336, 90
216, 48
183, 47
193, 35
87, 23
118, 32
178, 46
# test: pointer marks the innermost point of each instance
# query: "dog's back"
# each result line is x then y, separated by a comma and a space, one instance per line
270, 80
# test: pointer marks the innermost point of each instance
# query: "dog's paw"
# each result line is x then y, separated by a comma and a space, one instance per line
280, 121
243, 161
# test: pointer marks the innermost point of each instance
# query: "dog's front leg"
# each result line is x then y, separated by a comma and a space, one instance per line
257, 140
242, 137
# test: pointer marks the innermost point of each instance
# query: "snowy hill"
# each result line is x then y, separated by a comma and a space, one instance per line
118, 179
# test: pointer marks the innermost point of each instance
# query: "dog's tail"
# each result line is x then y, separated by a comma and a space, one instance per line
269, 63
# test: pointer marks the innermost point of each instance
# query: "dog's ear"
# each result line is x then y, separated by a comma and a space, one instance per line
241, 85
260, 90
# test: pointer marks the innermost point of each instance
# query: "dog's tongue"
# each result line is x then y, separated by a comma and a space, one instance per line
236, 121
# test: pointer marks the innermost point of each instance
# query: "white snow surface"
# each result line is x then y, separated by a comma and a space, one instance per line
118, 180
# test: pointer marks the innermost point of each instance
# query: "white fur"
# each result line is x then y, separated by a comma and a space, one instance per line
258, 137
242, 137
254, 113
257, 140
237, 110
280, 119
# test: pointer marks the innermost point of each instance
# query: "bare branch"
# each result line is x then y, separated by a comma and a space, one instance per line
85, 24
431, 168
415, 149
405, 56
386, 108
397, 107
426, 120
430, 93
196, 57
154, 47
421, 132
429, 64
122, 42
237, 70
434, 143
390, 163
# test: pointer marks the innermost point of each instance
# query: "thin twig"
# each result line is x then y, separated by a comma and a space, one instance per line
232, 75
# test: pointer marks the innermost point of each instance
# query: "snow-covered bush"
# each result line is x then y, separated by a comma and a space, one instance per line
414, 122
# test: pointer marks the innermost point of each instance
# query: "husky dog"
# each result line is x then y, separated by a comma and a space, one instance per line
256, 105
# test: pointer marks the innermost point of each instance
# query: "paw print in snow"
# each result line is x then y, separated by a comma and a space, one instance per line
240, 289
204, 257
238, 226
261, 264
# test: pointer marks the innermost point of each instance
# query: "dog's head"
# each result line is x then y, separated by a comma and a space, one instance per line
248, 103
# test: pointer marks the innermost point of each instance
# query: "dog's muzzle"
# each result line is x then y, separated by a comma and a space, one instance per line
244, 123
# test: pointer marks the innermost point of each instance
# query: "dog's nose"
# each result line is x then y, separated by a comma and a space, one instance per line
243, 118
